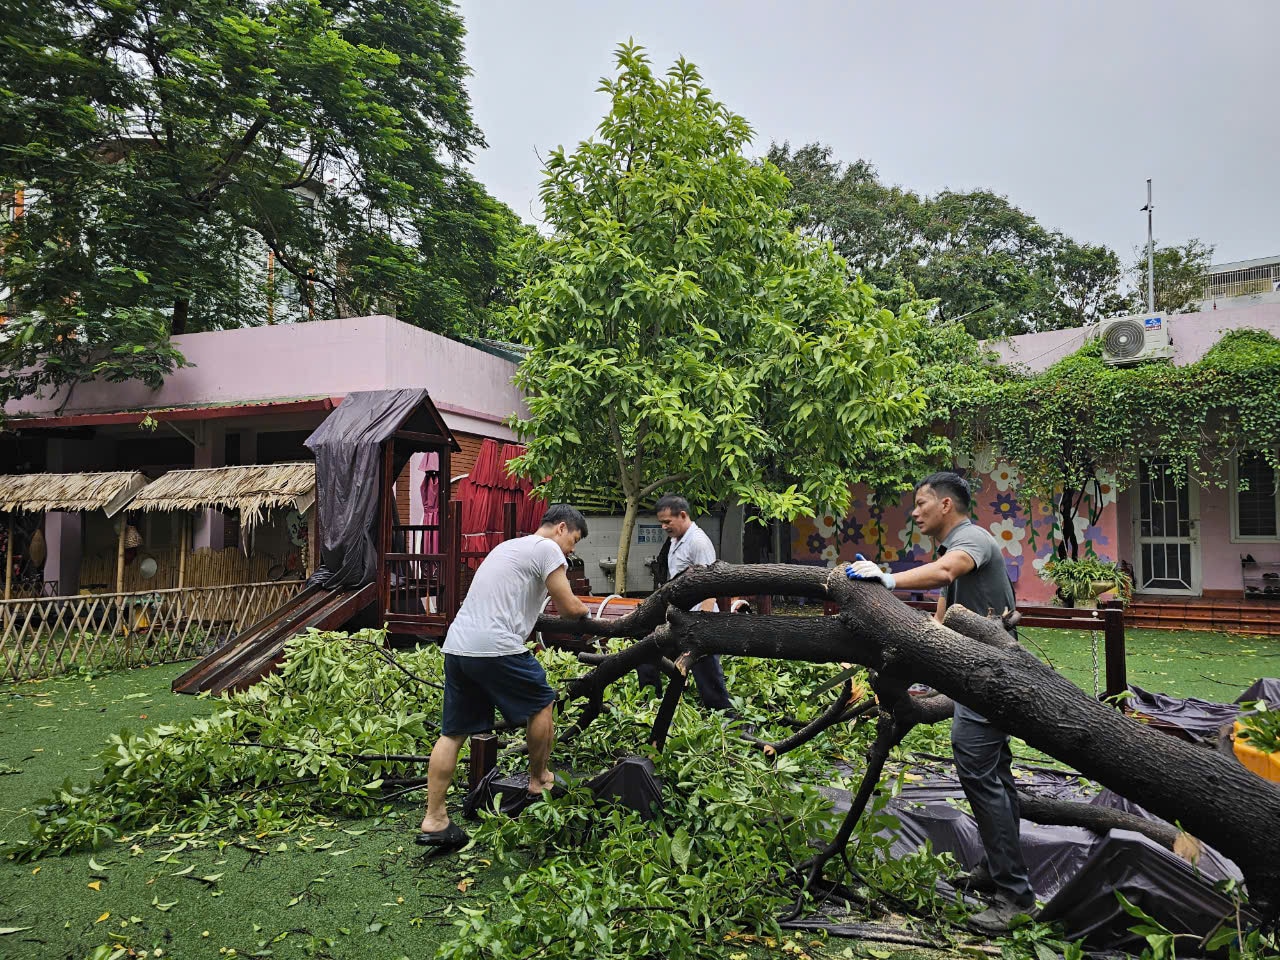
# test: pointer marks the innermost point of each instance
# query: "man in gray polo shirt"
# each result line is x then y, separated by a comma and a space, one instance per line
690, 547
970, 568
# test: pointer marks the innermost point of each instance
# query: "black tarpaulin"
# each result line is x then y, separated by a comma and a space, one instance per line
1075, 872
1268, 689
631, 782
348, 470
1199, 719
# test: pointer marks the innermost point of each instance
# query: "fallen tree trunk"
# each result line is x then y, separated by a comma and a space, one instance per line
972, 660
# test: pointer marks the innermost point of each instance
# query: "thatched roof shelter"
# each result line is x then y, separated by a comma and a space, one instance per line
252, 489
69, 492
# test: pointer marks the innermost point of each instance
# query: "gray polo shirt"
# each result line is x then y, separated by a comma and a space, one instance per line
986, 586
693, 549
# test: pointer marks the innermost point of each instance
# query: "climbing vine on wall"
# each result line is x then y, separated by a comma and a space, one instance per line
1081, 420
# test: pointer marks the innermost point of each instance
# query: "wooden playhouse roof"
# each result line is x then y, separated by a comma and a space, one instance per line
69, 492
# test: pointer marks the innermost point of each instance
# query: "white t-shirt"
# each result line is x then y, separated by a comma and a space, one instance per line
505, 598
693, 549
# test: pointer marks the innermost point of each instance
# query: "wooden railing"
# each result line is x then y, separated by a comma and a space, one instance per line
45, 637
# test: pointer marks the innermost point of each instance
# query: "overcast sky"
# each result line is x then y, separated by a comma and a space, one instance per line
1065, 107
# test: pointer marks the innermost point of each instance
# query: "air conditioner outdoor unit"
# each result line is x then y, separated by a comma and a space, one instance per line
1133, 339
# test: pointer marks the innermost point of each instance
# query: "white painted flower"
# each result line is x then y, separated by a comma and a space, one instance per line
831, 555
1004, 476
1081, 524
911, 537
1039, 562
1008, 536
1106, 489
826, 523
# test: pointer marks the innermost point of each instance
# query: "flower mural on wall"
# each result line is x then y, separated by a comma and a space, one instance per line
826, 523
1006, 506
1004, 476
830, 555
915, 545
1009, 535
850, 532
815, 542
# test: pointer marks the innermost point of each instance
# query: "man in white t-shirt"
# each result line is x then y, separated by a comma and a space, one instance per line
486, 664
690, 547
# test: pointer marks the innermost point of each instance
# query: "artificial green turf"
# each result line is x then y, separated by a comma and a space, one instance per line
1181, 663
352, 888
355, 888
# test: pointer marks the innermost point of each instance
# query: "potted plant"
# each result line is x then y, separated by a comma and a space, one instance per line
1080, 582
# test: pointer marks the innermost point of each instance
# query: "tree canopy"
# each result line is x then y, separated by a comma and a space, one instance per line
683, 335
192, 166
986, 262
1180, 272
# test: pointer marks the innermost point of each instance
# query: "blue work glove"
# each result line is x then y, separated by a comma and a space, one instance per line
864, 569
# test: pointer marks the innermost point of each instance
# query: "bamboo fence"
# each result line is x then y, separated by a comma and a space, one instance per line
45, 637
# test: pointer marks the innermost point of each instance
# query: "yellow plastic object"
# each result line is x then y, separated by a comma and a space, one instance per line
1265, 765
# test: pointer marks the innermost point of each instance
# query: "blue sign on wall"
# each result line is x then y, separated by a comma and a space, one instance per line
1151, 323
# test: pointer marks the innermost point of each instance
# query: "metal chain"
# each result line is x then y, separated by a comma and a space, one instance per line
1093, 643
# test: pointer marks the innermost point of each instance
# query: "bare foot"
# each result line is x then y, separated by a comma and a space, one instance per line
536, 786
434, 825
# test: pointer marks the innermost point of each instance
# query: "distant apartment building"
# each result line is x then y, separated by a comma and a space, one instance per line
1241, 284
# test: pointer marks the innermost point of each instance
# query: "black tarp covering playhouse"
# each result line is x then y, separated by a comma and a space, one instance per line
348, 473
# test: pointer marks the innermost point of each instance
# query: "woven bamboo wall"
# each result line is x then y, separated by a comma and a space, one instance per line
205, 568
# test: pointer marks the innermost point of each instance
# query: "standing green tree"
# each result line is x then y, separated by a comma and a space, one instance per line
211, 163
1180, 273
684, 335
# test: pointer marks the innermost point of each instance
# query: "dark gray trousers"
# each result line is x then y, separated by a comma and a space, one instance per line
707, 674
983, 764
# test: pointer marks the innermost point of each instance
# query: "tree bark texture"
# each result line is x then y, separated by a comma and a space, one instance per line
970, 659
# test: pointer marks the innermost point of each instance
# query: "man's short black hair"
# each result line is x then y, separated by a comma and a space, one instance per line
673, 502
563, 513
948, 483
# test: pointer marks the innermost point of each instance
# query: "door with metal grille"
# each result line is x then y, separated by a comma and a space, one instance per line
1167, 532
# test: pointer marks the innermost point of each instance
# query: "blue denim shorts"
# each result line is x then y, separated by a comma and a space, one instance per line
473, 686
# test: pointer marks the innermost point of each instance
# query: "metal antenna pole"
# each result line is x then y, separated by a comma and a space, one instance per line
1151, 254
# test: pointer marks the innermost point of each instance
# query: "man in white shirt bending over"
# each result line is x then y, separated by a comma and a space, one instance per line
690, 547
486, 664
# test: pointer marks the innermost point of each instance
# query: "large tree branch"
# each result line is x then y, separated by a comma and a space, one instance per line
988, 672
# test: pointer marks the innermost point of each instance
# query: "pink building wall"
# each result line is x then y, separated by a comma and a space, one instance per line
1027, 533
326, 358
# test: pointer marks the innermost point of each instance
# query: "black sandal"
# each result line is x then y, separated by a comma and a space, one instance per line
452, 837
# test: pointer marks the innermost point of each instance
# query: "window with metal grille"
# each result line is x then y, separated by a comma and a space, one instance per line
1257, 502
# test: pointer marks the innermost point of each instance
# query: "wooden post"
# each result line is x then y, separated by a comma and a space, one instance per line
124, 525
1113, 646
453, 559
313, 538
509, 520
8, 561
386, 519
184, 534
484, 757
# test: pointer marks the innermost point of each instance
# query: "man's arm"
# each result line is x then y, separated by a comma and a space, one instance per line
567, 603
939, 573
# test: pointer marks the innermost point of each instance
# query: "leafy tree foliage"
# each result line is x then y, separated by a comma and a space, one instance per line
1180, 273
1082, 419
162, 149
985, 261
683, 335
